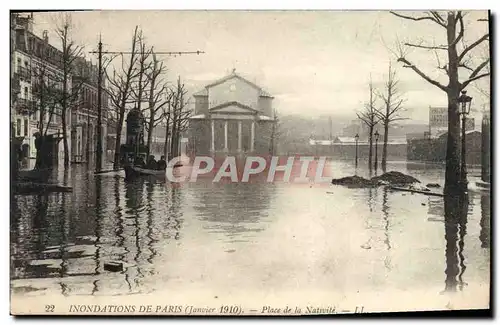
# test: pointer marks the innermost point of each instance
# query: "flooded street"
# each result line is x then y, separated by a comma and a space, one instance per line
247, 237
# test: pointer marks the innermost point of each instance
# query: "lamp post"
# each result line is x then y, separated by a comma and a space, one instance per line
377, 135
464, 109
356, 138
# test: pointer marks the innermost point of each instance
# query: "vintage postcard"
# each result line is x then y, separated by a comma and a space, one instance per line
265, 163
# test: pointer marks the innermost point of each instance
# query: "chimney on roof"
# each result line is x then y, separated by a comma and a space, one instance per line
46, 36
23, 22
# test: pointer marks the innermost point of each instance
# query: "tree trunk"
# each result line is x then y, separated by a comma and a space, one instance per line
119, 126
150, 132
165, 148
452, 175
65, 138
175, 150
370, 151
173, 138
384, 148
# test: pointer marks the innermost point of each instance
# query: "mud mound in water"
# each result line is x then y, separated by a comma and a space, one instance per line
354, 181
395, 178
390, 178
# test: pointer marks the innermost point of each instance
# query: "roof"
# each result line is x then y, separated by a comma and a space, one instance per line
348, 141
345, 139
196, 117
204, 91
445, 134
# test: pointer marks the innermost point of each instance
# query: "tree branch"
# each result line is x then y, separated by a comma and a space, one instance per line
419, 18
475, 74
473, 45
427, 47
423, 75
462, 29
438, 18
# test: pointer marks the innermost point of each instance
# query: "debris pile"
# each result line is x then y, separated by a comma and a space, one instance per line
354, 181
396, 178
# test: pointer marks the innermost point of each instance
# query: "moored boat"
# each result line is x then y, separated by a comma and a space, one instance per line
135, 171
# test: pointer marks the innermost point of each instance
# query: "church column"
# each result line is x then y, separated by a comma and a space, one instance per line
225, 136
239, 136
252, 137
213, 138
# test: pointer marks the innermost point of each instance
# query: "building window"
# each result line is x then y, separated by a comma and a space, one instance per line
26, 92
18, 63
18, 129
26, 127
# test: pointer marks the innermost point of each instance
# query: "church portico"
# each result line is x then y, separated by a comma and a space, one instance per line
232, 126
232, 135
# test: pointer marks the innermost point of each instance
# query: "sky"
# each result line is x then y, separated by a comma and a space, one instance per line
314, 63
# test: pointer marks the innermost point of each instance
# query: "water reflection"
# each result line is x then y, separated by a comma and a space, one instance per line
175, 213
149, 223
123, 251
385, 213
370, 198
455, 209
97, 234
134, 204
233, 209
484, 235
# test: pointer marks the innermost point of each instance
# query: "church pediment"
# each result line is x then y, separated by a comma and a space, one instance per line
233, 108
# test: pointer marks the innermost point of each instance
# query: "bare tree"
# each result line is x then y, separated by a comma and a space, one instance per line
458, 62
159, 97
370, 118
179, 115
392, 99
120, 91
144, 64
68, 96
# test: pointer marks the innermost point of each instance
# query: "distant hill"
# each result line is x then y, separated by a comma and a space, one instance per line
296, 130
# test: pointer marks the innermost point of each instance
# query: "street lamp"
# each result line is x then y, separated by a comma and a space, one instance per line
377, 135
464, 109
356, 137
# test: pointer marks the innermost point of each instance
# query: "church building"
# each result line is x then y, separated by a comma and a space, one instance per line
232, 115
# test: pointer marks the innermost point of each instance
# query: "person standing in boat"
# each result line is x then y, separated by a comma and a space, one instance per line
139, 161
151, 162
162, 163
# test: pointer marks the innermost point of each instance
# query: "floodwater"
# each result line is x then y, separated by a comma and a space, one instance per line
261, 237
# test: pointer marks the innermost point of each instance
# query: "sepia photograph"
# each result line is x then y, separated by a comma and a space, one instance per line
250, 162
